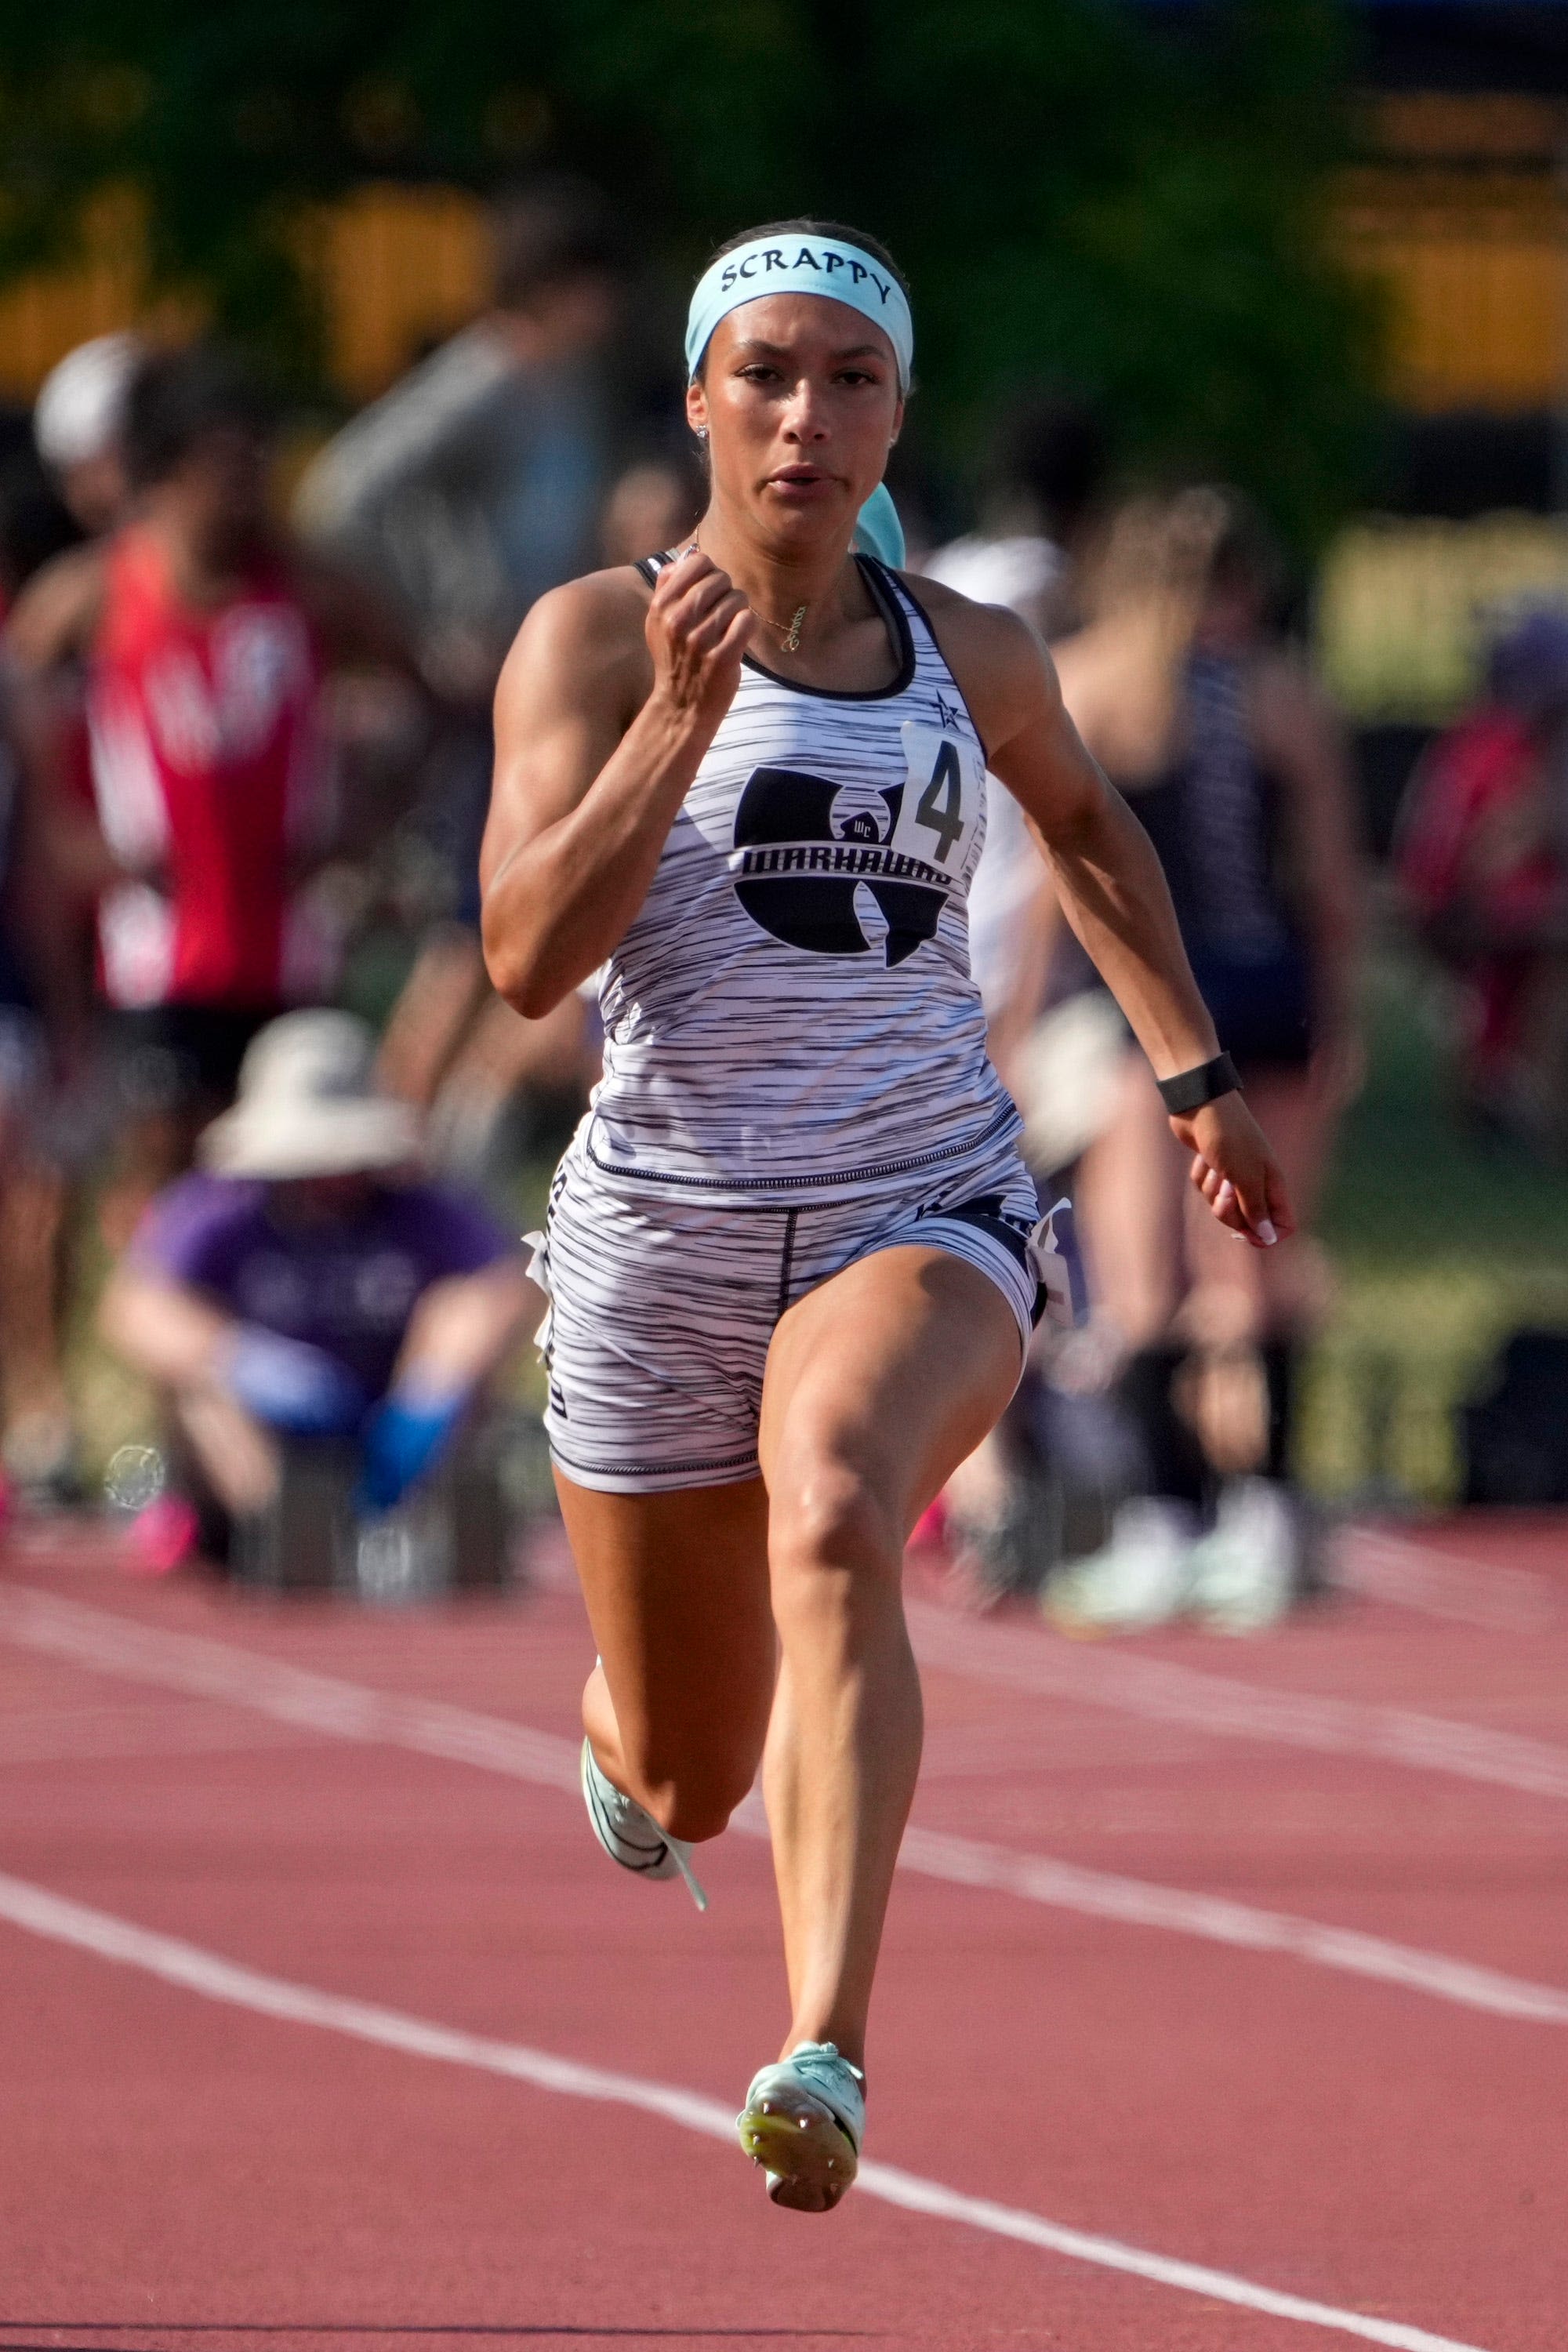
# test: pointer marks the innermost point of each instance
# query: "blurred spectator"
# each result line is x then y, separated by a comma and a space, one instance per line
1044, 481
655, 504
60, 475
308, 1289
1045, 477
204, 638
39, 1442
500, 1071
1221, 742
472, 487
77, 431
1482, 855
44, 974
476, 482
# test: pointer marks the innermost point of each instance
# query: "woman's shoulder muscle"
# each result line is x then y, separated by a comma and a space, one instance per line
578, 673
581, 644
1002, 670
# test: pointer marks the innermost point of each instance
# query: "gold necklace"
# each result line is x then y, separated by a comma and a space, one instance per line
788, 631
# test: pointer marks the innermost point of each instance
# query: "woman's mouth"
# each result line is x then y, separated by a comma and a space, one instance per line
799, 481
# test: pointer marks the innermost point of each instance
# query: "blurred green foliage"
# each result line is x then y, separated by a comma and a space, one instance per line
1084, 193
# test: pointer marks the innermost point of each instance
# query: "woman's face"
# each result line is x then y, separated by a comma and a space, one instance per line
800, 399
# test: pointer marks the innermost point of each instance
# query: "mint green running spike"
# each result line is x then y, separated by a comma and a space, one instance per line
803, 2121
630, 1835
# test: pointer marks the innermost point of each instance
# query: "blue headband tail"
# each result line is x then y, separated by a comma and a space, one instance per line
878, 531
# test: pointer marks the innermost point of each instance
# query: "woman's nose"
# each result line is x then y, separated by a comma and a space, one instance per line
803, 419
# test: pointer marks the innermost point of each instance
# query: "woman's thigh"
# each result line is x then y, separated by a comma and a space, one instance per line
676, 1591
878, 1383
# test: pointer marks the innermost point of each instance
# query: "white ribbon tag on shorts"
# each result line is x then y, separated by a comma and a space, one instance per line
538, 1273
1058, 1268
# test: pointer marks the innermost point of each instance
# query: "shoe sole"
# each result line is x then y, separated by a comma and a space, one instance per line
808, 2157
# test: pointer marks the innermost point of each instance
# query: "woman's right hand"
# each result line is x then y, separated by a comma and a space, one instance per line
699, 627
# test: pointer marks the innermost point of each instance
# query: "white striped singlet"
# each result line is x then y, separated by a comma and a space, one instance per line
793, 1009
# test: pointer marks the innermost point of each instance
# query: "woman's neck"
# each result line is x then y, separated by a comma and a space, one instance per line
777, 583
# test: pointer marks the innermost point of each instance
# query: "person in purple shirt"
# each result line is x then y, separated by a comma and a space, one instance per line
304, 1285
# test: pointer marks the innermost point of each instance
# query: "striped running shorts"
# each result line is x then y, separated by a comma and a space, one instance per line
661, 1310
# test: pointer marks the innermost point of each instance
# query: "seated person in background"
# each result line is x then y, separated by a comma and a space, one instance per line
305, 1285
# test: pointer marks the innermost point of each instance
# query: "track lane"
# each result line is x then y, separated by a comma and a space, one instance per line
1334, 2139
110, 1642
212, 1976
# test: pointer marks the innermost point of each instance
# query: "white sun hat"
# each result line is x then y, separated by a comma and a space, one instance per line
308, 1105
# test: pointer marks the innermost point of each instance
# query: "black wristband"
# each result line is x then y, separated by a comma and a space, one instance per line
1190, 1089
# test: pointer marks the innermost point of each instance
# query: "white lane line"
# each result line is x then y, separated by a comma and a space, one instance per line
193, 1662
107, 1643
1222, 1707
1143, 1903
208, 1973
1388, 1568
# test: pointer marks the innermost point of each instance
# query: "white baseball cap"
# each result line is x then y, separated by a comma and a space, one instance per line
78, 412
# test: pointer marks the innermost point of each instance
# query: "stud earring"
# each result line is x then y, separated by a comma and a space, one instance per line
701, 431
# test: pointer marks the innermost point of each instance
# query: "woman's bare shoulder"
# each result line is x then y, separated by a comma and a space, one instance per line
585, 635
1000, 663
994, 630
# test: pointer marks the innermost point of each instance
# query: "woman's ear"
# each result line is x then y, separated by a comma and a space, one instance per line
696, 409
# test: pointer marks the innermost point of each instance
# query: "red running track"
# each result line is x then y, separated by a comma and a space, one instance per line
1260, 1967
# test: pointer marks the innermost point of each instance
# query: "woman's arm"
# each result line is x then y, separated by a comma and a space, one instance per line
167, 1331
1298, 742
1113, 894
605, 709
462, 1326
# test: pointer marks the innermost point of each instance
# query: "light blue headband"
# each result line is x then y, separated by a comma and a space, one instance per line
840, 273
800, 264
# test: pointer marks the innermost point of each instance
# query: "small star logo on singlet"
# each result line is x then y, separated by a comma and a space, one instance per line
805, 845
946, 716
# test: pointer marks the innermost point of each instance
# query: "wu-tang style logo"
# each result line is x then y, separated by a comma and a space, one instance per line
805, 845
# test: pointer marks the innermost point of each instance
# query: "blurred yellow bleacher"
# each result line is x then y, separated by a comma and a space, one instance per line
398, 268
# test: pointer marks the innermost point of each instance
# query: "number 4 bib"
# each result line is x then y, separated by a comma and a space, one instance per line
944, 798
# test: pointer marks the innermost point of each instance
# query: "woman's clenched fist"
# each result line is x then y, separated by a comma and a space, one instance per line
699, 627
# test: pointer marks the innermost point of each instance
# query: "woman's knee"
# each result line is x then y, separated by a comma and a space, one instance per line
831, 1532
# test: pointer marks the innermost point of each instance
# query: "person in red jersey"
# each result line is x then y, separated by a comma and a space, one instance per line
206, 638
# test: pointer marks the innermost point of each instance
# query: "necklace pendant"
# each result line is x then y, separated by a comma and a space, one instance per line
792, 643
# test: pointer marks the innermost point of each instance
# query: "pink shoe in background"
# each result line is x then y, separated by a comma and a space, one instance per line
161, 1537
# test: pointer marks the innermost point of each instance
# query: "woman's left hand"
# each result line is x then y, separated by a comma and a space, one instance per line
1235, 1171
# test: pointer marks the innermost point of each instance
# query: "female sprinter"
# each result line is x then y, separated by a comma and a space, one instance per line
790, 1252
